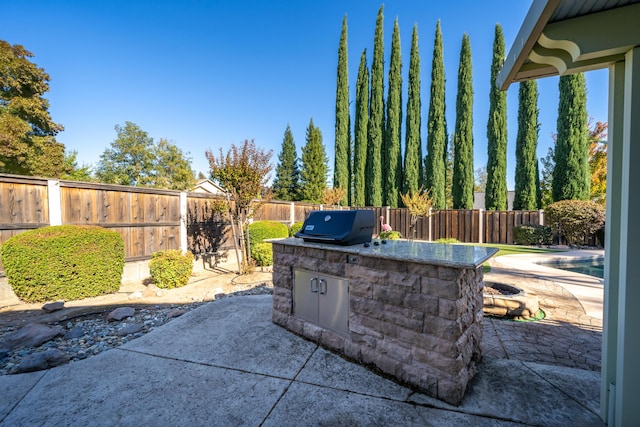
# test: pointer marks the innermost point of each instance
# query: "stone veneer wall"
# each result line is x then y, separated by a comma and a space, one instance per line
419, 323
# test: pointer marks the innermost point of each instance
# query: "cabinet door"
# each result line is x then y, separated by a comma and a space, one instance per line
334, 303
305, 295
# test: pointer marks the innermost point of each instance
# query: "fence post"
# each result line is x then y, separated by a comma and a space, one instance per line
480, 225
55, 205
541, 213
183, 222
292, 213
429, 223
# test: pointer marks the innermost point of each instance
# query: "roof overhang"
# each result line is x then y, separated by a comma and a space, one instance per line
560, 37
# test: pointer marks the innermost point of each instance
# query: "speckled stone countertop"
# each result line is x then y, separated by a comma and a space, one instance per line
450, 255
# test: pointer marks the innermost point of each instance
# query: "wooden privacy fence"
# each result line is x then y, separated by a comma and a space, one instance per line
468, 226
150, 220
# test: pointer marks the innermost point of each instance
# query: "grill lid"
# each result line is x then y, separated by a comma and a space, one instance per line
338, 227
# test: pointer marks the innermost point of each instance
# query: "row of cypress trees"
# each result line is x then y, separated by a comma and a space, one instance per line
369, 165
377, 169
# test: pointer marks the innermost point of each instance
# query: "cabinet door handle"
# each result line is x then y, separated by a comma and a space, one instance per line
312, 282
323, 289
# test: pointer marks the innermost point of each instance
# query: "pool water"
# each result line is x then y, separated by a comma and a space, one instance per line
593, 268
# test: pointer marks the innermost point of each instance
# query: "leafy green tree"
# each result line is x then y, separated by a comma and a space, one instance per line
244, 172
27, 132
130, 159
598, 161
571, 176
527, 182
392, 171
360, 131
342, 167
172, 167
480, 183
314, 166
435, 162
75, 172
463, 137
375, 131
496, 191
413, 170
286, 184
134, 159
546, 179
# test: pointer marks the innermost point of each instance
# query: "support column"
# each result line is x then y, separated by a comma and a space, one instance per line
612, 240
55, 206
627, 350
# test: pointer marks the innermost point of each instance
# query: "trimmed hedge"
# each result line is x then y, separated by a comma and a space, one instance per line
533, 234
64, 262
576, 220
295, 227
259, 231
171, 268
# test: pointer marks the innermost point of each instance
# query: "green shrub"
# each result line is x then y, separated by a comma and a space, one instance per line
390, 235
171, 269
447, 240
259, 231
295, 227
262, 253
64, 262
533, 234
576, 220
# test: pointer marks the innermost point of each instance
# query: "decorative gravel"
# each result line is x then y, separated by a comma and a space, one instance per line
91, 334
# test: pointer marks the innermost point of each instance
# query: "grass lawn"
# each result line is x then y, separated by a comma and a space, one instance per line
513, 249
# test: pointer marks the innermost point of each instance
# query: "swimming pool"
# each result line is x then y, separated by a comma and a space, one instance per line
592, 267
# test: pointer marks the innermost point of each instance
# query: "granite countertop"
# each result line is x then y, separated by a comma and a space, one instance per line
450, 255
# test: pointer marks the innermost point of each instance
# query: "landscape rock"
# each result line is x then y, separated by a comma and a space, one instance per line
42, 360
131, 328
121, 313
176, 312
76, 332
50, 307
32, 335
135, 295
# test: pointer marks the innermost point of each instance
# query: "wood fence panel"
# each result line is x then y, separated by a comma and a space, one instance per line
24, 204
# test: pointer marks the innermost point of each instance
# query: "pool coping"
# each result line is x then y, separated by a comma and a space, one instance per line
587, 289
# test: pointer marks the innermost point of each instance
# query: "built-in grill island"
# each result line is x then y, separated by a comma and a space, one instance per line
411, 309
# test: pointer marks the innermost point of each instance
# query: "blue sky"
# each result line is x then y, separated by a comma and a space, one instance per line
208, 74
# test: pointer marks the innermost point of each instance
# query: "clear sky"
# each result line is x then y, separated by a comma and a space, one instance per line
208, 74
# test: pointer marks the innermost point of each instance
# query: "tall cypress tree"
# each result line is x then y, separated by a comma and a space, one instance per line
527, 181
495, 196
571, 175
392, 165
463, 178
435, 162
341, 176
375, 129
315, 166
413, 171
286, 184
360, 131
